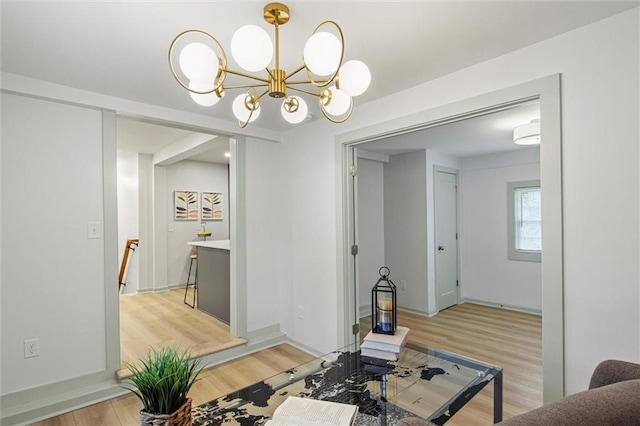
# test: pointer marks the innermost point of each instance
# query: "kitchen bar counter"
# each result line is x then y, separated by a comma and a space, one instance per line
214, 277
214, 244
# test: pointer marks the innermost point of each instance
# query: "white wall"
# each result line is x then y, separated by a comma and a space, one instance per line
196, 176
312, 161
146, 241
269, 251
486, 272
161, 219
80, 321
488, 276
128, 216
371, 202
600, 71
52, 275
600, 96
405, 230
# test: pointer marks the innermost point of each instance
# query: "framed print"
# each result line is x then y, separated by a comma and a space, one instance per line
185, 205
212, 206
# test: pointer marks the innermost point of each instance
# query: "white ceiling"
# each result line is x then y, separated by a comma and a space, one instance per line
120, 48
486, 134
135, 136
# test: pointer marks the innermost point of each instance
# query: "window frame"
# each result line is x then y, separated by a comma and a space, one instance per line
513, 254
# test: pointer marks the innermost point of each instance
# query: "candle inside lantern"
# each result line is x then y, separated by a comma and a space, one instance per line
385, 312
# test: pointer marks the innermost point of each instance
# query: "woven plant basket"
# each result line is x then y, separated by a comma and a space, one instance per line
180, 417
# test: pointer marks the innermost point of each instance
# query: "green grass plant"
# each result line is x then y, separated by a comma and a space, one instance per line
164, 379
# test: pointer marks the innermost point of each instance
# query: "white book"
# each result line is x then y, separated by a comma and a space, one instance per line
397, 340
375, 353
381, 346
306, 411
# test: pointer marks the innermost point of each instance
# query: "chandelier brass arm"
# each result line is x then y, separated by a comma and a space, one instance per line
308, 92
294, 72
244, 86
204, 69
262, 94
290, 83
241, 74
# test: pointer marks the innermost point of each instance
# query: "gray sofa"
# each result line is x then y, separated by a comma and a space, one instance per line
613, 399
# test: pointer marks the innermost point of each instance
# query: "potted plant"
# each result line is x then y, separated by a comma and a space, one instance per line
162, 383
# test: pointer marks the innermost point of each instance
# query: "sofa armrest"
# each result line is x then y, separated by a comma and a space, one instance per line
615, 404
613, 371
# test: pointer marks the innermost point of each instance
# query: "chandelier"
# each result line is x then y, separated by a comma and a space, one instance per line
202, 69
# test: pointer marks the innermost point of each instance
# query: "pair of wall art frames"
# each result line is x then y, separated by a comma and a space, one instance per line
186, 205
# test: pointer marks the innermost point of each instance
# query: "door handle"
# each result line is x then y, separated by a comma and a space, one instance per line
440, 248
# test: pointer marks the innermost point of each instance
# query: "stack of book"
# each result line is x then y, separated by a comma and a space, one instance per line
384, 346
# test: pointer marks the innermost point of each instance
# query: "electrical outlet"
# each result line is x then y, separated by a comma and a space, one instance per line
301, 312
402, 284
171, 227
31, 348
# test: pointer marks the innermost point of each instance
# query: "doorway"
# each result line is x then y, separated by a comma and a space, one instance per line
159, 159
547, 92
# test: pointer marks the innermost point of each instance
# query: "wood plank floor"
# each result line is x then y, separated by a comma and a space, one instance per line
512, 340
216, 382
157, 320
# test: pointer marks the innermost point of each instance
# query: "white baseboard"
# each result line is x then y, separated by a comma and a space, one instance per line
502, 306
257, 340
31, 405
417, 311
160, 289
304, 348
365, 311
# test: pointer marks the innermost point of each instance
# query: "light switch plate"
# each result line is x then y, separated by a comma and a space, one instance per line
94, 230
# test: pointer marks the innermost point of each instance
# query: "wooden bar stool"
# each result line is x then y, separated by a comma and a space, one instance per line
193, 257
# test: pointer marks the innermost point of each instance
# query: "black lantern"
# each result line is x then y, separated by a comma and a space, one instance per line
383, 304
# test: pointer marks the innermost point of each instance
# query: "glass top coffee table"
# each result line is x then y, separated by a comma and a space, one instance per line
424, 382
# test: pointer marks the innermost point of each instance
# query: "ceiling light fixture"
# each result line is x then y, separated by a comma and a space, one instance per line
527, 134
203, 67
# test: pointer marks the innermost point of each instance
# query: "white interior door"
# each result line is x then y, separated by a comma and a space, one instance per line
446, 237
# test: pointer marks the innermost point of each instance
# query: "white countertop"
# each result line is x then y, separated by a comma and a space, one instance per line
214, 244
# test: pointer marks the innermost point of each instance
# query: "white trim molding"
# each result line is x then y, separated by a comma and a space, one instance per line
547, 91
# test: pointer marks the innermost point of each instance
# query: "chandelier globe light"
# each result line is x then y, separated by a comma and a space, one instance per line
199, 64
251, 48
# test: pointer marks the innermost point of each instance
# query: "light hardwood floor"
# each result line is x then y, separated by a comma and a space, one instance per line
156, 320
509, 339
216, 382
512, 340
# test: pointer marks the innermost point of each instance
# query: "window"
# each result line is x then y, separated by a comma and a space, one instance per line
525, 220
